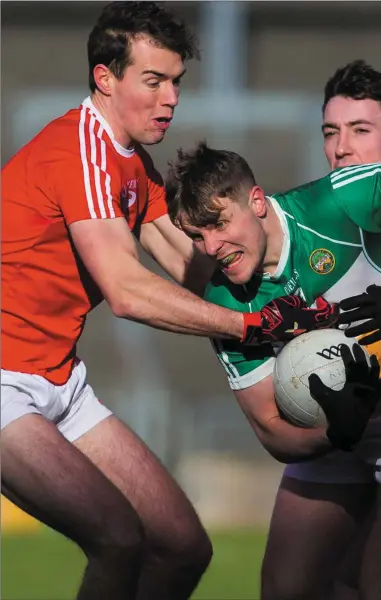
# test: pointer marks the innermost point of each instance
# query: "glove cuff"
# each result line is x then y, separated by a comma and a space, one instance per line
338, 442
252, 328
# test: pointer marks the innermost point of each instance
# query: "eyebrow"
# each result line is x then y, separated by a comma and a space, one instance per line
162, 75
349, 124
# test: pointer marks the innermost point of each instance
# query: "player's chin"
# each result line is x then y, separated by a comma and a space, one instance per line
153, 137
238, 277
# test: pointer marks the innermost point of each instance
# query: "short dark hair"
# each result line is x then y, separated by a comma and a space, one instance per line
195, 179
356, 80
119, 23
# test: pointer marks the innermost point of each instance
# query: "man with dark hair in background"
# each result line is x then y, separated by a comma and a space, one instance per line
321, 504
73, 198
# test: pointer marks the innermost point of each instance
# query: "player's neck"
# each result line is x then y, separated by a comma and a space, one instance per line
106, 109
275, 239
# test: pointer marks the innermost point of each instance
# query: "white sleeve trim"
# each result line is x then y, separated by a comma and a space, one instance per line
253, 377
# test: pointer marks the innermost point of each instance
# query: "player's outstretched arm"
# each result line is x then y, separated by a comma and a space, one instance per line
284, 441
108, 251
364, 306
177, 254
349, 409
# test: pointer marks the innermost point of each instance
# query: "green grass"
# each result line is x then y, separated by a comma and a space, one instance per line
45, 566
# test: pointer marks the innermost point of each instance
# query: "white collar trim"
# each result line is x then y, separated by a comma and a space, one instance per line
126, 152
286, 242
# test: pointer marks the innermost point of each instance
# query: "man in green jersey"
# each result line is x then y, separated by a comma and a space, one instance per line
327, 499
307, 242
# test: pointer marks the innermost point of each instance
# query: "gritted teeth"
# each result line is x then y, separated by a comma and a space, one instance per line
227, 260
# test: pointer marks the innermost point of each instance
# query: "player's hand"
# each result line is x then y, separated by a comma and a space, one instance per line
348, 410
286, 317
364, 306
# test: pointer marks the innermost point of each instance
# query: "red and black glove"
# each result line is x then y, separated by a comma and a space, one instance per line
364, 306
286, 317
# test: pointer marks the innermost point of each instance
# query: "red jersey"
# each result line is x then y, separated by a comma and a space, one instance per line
72, 170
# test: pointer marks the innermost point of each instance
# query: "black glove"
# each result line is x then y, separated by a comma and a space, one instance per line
348, 410
364, 306
286, 317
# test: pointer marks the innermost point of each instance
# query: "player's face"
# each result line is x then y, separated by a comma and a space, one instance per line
146, 97
237, 241
352, 132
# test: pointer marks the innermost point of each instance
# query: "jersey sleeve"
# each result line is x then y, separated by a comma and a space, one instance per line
86, 177
156, 205
244, 366
358, 191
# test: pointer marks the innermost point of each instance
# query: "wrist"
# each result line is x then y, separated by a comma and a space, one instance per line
339, 442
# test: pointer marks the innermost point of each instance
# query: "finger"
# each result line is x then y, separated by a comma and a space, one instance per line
349, 362
364, 312
362, 368
355, 301
371, 339
324, 307
374, 290
366, 327
368, 398
374, 372
321, 303
318, 390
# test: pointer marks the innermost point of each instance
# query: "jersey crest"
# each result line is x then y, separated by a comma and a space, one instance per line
322, 261
128, 194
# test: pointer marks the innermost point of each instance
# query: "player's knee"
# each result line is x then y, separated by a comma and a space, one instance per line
198, 552
190, 551
120, 539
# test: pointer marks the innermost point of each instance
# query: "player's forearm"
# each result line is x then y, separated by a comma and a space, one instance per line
288, 443
154, 301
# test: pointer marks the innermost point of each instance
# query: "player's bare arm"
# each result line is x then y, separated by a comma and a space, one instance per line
285, 442
108, 251
176, 254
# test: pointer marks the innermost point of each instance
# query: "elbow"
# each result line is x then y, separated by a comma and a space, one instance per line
123, 306
271, 443
117, 308
280, 456
267, 440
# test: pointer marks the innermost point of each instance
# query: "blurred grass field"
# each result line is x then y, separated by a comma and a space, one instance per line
41, 565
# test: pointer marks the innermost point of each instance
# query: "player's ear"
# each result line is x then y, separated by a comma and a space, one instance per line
104, 79
257, 201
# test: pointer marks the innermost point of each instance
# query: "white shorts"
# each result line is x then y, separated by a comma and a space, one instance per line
72, 407
363, 465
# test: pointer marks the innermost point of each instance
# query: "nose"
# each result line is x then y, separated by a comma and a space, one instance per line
170, 95
212, 244
343, 147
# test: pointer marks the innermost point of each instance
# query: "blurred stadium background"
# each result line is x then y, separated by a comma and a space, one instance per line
258, 91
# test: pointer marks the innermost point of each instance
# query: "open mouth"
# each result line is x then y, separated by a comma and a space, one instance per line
163, 122
231, 260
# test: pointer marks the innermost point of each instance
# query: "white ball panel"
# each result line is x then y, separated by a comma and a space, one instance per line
313, 352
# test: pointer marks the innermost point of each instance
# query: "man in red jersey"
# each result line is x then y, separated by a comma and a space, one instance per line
72, 200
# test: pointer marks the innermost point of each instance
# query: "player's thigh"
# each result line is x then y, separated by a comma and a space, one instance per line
346, 586
47, 476
167, 515
370, 572
311, 526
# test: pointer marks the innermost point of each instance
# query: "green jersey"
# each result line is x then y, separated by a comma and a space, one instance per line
331, 248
